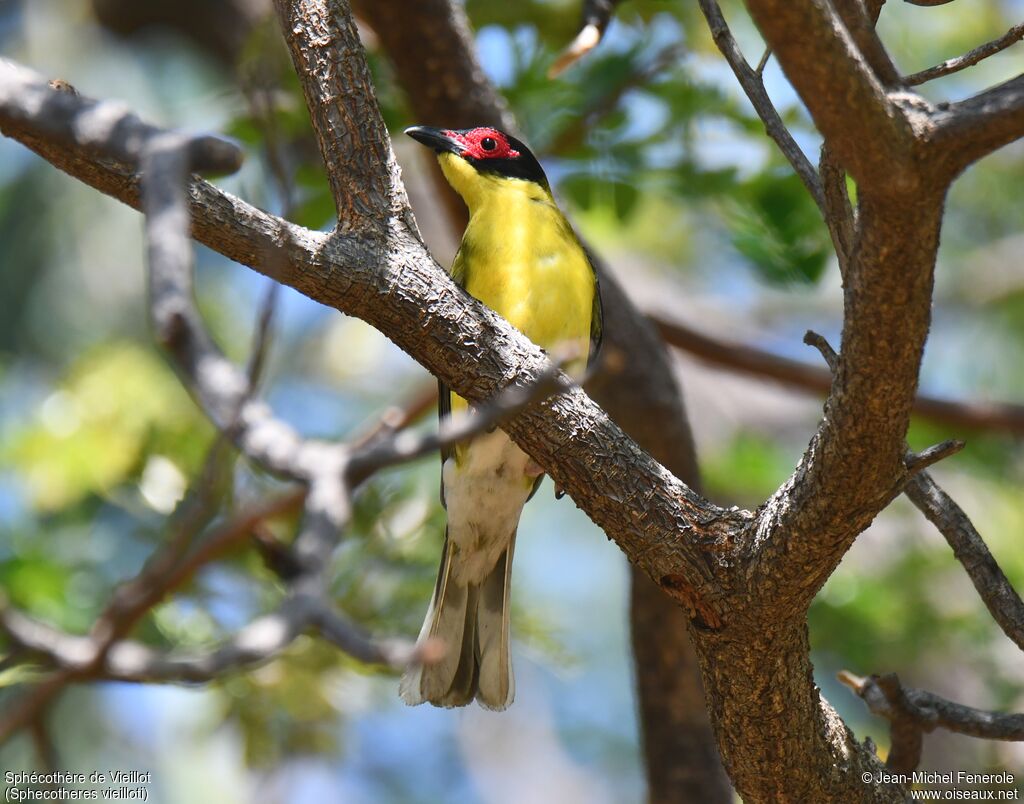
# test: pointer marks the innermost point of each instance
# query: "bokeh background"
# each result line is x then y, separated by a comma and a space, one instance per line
664, 167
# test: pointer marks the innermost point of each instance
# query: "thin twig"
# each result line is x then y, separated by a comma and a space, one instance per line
585, 122
408, 446
259, 641
259, 96
812, 338
969, 59
919, 461
994, 588
396, 417
42, 740
262, 334
132, 599
754, 88
763, 63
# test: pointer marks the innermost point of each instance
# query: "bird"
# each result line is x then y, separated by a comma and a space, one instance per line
520, 256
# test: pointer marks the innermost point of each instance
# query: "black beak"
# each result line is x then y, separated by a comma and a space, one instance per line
434, 138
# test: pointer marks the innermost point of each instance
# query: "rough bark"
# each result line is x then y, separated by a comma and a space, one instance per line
744, 579
642, 397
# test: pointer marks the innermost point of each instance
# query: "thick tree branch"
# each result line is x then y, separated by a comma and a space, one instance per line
641, 396
860, 24
453, 90
846, 98
992, 585
355, 146
96, 126
397, 287
885, 323
964, 132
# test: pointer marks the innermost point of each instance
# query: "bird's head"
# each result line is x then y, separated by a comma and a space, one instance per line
477, 161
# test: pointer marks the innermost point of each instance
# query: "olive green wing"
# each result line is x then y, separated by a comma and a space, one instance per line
596, 314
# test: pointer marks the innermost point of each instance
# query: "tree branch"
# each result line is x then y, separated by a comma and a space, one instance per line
845, 97
969, 59
753, 85
474, 350
966, 131
995, 590
839, 214
970, 549
912, 712
361, 168
868, 408
919, 461
96, 126
258, 642
397, 449
642, 396
802, 376
860, 24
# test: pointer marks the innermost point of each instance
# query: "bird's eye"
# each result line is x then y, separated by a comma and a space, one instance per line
488, 143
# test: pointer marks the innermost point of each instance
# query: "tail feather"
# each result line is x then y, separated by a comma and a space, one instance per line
461, 687
496, 687
473, 622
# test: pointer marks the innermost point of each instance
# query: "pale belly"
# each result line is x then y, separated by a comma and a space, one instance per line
485, 491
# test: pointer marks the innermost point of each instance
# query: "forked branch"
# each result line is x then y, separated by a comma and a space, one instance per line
912, 713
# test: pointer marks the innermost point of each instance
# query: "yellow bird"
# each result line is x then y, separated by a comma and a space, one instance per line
520, 257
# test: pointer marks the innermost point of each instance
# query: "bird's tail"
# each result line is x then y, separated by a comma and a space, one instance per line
472, 620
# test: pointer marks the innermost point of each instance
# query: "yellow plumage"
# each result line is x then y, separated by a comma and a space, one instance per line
521, 258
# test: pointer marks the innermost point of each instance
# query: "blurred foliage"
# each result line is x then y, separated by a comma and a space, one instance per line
650, 143
119, 404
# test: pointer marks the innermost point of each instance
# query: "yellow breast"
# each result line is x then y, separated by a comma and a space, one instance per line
521, 258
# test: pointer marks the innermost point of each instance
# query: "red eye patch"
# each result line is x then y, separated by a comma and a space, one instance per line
484, 143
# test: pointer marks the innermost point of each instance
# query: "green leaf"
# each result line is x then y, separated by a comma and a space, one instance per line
775, 224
